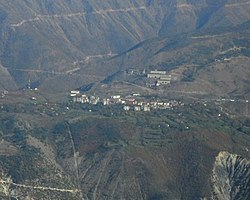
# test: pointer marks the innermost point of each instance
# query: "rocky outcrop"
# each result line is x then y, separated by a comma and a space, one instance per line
231, 177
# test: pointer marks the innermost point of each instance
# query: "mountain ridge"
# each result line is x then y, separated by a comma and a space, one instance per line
54, 37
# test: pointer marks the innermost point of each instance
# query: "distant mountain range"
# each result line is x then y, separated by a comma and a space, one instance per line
45, 41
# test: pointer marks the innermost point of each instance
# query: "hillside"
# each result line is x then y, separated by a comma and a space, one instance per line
6, 80
50, 152
43, 39
212, 63
82, 115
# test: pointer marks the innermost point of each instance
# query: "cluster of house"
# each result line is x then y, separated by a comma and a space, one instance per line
134, 102
155, 77
159, 77
82, 98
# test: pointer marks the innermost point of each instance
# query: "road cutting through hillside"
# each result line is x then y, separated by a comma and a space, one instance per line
79, 14
75, 160
237, 4
69, 72
39, 187
102, 171
88, 59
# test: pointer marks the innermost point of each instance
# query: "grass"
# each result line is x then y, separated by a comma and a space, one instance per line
148, 141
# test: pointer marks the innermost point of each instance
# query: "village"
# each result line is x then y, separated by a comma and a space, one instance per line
133, 102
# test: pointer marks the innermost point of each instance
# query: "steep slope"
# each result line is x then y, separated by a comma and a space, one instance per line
6, 80
231, 177
74, 30
56, 36
214, 62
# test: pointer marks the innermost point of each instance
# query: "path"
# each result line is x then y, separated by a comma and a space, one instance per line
75, 160
103, 169
79, 14
39, 187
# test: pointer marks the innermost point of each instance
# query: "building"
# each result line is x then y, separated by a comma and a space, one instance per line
85, 99
146, 109
162, 75
158, 72
77, 99
94, 100
164, 81
74, 93
106, 102
126, 108
130, 101
157, 76
137, 108
115, 97
136, 95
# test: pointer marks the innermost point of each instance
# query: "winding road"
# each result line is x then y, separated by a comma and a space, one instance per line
78, 14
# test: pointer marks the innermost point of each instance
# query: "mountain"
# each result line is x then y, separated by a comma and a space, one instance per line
194, 142
211, 62
40, 39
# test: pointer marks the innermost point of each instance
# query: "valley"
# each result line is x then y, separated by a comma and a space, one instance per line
124, 99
